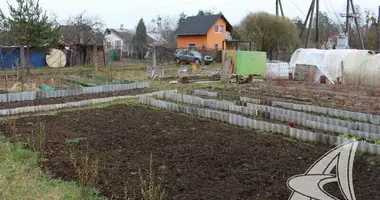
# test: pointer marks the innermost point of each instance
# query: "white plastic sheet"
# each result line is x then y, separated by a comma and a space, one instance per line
329, 62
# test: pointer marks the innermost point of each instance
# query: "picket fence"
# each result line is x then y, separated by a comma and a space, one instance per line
277, 114
259, 125
33, 95
364, 117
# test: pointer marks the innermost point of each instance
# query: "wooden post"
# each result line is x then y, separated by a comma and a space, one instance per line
310, 24
95, 57
317, 24
277, 7
348, 21
154, 57
357, 24
378, 30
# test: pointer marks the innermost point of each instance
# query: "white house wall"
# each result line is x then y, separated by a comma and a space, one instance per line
113, 38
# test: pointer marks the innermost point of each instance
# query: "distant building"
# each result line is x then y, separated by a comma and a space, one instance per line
342, 42
121, 39
204, 31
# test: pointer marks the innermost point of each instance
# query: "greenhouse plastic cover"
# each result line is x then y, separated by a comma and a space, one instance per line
362, 67
329, 62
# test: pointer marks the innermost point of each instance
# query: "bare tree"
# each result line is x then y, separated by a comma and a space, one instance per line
84, 30
166, 27
81, 29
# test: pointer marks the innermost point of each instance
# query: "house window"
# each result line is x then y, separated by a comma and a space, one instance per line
219, 29
109, 45
118, 44
216, 46
192, 46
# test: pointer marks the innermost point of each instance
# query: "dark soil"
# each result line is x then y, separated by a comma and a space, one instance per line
73, 98
193, 158
363, 99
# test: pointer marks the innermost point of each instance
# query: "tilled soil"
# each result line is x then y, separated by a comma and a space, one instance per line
59, 100
363, 99
193, 158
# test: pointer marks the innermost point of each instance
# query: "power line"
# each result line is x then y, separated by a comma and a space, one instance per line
299, 9
336, 14
328, 10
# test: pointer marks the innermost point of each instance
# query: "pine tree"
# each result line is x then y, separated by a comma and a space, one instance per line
28, 25
140, 39
182, 18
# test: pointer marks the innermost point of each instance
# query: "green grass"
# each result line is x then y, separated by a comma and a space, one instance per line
347, 136
132, 101
20, 178
74, 141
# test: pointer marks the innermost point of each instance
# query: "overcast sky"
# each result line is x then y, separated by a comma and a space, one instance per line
128, 12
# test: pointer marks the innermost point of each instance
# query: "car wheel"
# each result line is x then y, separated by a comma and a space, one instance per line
197, 61
178, 60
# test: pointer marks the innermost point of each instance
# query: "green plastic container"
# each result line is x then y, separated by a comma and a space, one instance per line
46, 88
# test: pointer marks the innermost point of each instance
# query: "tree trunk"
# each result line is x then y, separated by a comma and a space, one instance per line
95, 57
22, 63
28, 59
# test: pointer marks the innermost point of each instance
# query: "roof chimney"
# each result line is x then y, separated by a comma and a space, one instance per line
122, 26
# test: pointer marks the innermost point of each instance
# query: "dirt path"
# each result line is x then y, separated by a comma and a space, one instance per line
194, 158
73, 98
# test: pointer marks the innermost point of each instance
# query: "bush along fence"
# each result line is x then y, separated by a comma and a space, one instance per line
358, 116
33, 95
41, 108
282, 115
260, 125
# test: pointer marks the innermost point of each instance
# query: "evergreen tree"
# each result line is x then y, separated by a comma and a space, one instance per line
28, 25
140, 39
182, 18
206, 12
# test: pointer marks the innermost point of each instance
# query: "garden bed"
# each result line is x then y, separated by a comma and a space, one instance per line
4, 105
193, 158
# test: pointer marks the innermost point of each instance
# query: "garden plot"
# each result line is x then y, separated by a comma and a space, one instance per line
359, 99
33, 98
76, 98
193, 158
271, 119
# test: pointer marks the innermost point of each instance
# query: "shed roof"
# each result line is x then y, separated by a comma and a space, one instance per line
124, 34
127, 35
200, 25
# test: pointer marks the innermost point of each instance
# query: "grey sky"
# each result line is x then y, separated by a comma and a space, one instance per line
128, 12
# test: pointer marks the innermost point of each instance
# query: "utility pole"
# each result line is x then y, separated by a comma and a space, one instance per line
349, 16
309, 18
357, 24
279, 7
317, 24
378, 30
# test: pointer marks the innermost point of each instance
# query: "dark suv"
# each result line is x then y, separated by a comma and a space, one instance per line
191, 56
